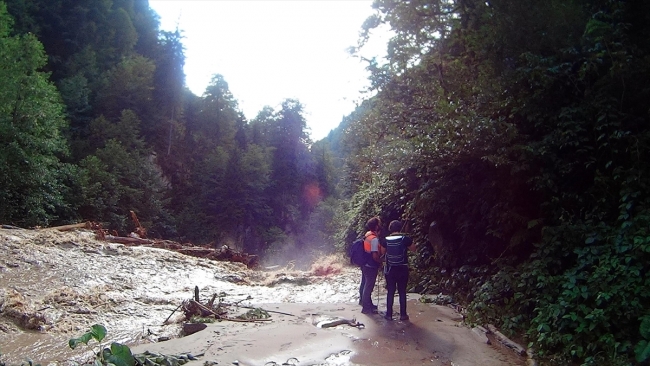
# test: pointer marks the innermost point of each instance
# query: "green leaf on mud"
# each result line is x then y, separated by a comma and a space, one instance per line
98, 332
74, 342
120, 355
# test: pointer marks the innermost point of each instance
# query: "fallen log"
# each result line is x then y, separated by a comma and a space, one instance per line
268, 311
11, 227
246, 320
196, 252
505, 341
70, 227
126, 240
223, 254
167, 244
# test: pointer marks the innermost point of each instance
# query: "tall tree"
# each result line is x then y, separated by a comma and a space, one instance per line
291, 163
32, 177
211, 125
120, 176
218, 120
169, 81
129, 85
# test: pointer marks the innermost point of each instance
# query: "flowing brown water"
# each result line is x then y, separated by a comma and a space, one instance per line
59, 284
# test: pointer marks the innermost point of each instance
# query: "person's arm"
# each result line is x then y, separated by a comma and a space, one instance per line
410, 246
374, 249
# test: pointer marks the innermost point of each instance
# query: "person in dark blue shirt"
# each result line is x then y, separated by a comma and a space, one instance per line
396, 269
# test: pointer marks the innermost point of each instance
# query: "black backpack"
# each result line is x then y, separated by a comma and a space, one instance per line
396, 252
358, 255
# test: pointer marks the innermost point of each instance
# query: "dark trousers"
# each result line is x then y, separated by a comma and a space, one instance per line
368, 282
397, 278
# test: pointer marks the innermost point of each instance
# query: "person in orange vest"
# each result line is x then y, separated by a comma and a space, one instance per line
371, 268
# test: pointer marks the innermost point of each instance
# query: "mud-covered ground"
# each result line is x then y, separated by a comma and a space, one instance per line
55, 285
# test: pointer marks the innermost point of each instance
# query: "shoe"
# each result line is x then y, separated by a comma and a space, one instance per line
369, 311
388, 317
404, 317
374, 307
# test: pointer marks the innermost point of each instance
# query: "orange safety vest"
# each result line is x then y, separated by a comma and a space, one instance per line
366, 241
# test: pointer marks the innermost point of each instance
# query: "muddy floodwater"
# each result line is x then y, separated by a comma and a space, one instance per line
57, 284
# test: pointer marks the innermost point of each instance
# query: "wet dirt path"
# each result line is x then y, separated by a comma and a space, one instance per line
433, 336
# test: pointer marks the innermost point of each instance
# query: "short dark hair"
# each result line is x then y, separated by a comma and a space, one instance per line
373, 224
395, 226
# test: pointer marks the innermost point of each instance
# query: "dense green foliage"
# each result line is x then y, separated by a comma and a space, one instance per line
520, 130
32, 177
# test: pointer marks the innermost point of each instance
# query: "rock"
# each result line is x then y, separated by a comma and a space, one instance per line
481, 333
191, 328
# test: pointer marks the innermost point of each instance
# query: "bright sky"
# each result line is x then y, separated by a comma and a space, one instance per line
270, 50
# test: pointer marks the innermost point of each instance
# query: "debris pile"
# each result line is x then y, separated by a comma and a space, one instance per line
138, 238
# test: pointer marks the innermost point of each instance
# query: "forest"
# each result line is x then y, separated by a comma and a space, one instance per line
509, 135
